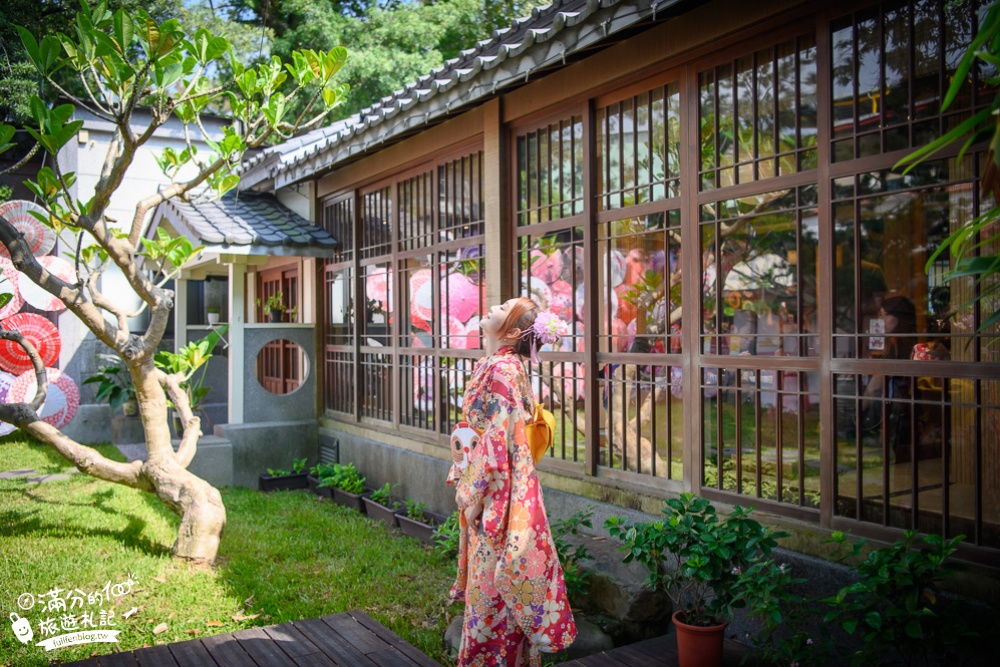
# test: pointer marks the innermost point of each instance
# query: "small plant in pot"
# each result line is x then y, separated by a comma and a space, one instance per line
213, 315
698, 558
317, 474
417, 521
114, 385
274, 306
279, 479
347, 485
381, 505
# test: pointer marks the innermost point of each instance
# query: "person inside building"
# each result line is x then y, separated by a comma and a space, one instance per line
899, 322
516, 606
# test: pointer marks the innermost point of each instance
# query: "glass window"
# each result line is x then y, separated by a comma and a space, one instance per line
376, 223
640, 284
339, 307
416, 212
460, 198
760, 433
758, 115
759, 274
887, 79
638, 144
886, 227
550, 172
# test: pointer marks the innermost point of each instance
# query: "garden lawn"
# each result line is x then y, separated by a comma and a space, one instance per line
285, 556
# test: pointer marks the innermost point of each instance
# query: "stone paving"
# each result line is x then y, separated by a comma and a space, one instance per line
34, 477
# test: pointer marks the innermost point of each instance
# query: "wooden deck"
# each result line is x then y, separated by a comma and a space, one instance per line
658, 652
350, 639
353, 639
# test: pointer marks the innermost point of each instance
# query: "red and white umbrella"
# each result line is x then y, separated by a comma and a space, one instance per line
463, 336
61, 401
422, 295
38, 297
459, 297
547, 265
9, 285
6, 380
377, 287
40, 238
40, 332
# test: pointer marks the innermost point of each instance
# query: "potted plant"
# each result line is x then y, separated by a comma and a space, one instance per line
698, 558
213, 315
417, 521
379, 504
274, 305
115, 385
348, 486
278, 479
317, 474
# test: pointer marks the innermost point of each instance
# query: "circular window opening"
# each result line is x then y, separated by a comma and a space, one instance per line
282, 366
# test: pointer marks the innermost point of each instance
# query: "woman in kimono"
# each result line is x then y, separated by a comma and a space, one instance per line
508, 572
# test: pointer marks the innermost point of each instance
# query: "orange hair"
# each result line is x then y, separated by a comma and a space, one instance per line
521, 316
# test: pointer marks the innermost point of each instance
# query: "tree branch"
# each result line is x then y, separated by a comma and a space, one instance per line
192, 424
41, 376
171, 191
72, 296
22, 161
87, 459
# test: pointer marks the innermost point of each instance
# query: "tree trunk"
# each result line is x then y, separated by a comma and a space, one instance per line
199, 504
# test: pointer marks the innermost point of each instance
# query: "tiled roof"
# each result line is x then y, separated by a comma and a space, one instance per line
246, 223
531, 45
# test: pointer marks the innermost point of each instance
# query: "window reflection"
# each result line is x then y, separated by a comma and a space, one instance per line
759, 275
758, 115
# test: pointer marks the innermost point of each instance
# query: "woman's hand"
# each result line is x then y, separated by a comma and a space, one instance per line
473, 513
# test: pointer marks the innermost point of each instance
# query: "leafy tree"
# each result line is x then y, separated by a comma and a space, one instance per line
124, 60
393, 42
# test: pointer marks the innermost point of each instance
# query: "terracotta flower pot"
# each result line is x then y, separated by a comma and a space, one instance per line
698, 646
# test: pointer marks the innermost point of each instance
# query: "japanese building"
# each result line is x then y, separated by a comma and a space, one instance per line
706, 192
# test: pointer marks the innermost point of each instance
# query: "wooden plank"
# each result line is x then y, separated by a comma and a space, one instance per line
315, 660
259, 646
393, 639
88, 662
155, 656
391, 657
658, 647
226, 651
290, 640
332, 643
634, 657
358, 635
603, 659
192, 653
122, 659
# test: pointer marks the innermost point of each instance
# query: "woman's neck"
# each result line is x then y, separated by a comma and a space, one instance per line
491, 344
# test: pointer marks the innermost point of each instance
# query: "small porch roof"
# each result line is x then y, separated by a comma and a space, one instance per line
244, 223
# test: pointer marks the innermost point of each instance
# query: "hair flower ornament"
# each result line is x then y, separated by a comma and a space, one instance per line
547, 329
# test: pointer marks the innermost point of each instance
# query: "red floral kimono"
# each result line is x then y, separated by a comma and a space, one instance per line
508, 570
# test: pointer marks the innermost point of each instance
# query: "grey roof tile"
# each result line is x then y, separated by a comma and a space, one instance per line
247, 219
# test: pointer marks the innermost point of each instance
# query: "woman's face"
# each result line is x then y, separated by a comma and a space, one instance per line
493, 321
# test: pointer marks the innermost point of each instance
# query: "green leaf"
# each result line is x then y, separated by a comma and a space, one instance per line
5, 298
124, 30
6, 134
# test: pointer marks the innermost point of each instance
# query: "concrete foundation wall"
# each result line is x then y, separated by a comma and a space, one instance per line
411, 474
262, 445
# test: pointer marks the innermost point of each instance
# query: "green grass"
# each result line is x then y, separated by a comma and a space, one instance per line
284, 556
